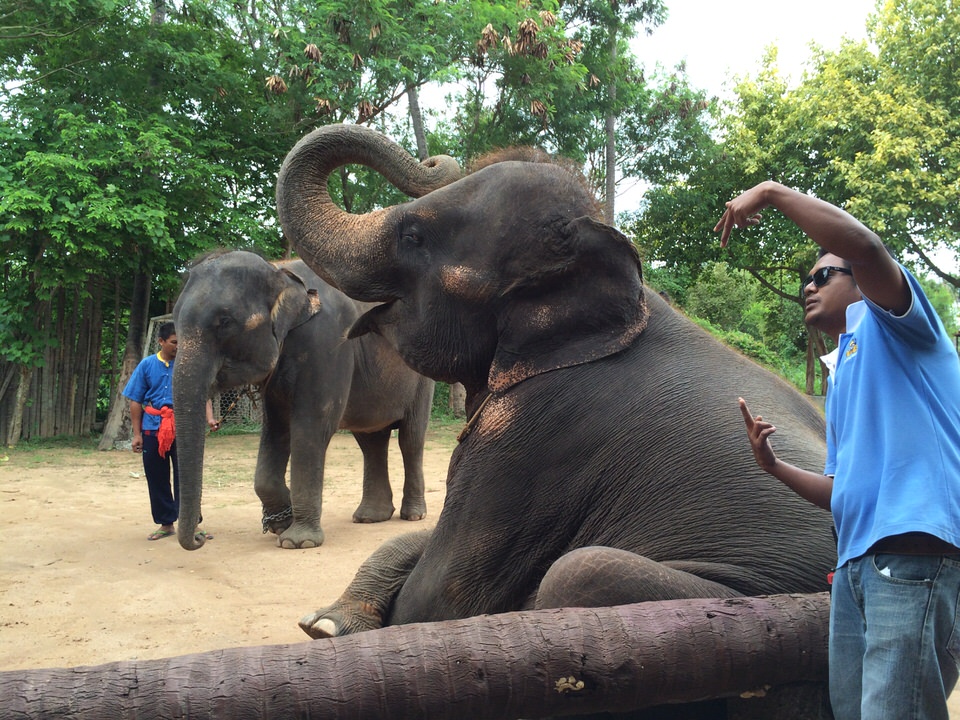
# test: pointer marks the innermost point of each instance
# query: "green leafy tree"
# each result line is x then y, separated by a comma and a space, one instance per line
723, 296
893, 112
943, 297
122, 158
872, 127
514, 66
138, 134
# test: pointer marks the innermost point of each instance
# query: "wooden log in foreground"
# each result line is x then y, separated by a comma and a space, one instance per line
523, 664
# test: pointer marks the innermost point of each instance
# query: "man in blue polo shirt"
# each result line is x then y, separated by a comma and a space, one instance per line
892, 477
150, 391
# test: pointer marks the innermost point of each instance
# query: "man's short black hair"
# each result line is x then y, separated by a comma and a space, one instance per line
166, 330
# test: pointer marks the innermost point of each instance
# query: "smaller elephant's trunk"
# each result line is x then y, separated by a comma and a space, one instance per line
192, 378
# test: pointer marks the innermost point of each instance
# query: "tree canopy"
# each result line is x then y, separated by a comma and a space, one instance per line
871, 127
139, 134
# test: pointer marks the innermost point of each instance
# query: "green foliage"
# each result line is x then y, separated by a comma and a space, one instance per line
671, 283
721, 296
900, 160
943, 297
873, 127
87, 443
782, 327
239, 428
440, 412
875, 131
134, 163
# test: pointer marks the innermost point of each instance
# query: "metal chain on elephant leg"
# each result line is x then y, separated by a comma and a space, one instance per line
287, 512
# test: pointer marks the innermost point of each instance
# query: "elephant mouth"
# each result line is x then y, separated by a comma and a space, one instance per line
373, 320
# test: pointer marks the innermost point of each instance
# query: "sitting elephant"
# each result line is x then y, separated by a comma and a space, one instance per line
241, 320
605, 461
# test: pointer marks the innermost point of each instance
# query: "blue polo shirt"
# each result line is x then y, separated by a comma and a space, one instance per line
151, 384
893, 427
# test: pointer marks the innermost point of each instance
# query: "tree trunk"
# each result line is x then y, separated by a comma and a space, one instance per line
115, 344
89, 344
19, 403
118, 420
810, 384
458, 400
816, 348
821, 349
416, 119
526, 664
610, 122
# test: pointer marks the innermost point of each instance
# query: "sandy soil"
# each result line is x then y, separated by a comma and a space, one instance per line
81, 585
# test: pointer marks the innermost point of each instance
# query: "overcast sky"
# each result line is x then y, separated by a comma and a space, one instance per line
720, 39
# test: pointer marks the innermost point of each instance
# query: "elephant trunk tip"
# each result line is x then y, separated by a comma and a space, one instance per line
190, 539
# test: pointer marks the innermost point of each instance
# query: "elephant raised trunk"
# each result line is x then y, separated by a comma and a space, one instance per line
349, 250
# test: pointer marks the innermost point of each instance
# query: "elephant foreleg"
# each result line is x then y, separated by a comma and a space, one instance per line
307, 461
365, 602
602, 576
269, 477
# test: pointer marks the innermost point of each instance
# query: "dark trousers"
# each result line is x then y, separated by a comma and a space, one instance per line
164, 502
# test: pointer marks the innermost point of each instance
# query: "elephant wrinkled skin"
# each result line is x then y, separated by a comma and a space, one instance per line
242, 320
606, 462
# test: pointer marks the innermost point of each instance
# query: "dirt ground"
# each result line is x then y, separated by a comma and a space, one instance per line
81, 585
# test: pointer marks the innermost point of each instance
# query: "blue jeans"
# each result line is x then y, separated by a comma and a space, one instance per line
894, 637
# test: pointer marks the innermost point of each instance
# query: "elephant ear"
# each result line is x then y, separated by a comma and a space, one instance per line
295, 304
583, 303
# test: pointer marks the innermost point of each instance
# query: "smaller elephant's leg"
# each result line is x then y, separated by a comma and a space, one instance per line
602, 576
411, 437
365, 602
376, 505
268, 479
307, 461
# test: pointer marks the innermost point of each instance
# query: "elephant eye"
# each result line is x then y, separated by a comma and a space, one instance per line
410, 239
409, 234
225, 325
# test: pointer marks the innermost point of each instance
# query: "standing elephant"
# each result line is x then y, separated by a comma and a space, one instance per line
241, 320
605, 461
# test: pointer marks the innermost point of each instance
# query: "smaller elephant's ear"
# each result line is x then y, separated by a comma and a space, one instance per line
294, 305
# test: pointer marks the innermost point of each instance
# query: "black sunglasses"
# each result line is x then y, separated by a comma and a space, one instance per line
820, 276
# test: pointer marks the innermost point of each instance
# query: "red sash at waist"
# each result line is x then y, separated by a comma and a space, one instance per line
168, 428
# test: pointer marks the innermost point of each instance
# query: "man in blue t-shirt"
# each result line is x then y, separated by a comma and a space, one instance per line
892, 477
150, 391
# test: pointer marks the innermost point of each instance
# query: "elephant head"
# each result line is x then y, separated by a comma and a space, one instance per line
494, 278
232, 316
